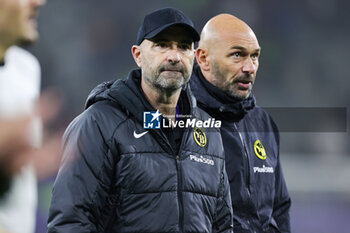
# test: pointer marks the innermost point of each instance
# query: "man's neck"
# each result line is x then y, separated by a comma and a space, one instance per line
163, 101
208, 76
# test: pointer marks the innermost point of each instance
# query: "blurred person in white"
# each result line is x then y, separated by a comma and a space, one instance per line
20, 124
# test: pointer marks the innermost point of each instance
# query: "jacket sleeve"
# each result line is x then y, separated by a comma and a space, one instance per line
282, 200
223, 221
82, 184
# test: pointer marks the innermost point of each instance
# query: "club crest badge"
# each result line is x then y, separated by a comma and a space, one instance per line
200, 137
259, 150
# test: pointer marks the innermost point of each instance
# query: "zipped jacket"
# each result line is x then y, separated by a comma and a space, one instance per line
259, 194
117, 176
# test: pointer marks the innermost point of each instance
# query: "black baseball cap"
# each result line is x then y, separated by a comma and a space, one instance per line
157, 21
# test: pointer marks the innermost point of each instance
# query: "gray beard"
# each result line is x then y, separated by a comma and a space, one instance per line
164, 87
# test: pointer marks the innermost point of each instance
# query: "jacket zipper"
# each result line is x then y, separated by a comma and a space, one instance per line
179, 183
247, 157
179, 175
165, 145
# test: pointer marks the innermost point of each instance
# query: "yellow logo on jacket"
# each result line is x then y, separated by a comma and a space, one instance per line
200, 137
259, 150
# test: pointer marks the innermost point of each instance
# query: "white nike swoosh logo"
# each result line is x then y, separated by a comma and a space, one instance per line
138, 135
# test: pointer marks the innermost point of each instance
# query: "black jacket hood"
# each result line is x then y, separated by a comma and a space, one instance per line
217, 103
129, 95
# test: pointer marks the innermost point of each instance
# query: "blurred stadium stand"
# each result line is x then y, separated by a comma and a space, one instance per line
304, 63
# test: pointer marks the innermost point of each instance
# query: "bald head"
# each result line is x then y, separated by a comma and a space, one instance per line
228, 54
222, 27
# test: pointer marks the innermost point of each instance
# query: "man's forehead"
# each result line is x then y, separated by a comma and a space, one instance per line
243, 40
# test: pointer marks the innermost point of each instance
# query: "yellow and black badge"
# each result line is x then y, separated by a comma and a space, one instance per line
199, 136
259, 150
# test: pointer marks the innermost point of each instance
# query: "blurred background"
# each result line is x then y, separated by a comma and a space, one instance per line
304, 63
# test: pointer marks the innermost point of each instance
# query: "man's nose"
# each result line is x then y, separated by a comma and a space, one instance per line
249, 66
174, 55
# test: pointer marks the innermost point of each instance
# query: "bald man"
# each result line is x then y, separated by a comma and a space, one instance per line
222, 80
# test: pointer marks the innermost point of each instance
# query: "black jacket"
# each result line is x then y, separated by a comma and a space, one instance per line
258, 191
110, 181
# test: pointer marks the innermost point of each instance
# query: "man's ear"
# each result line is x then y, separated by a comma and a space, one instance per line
136, 53
202, 58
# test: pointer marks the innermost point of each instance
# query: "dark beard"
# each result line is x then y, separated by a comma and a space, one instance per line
225, 87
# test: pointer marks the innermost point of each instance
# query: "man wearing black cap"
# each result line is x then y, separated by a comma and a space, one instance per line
122, 169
